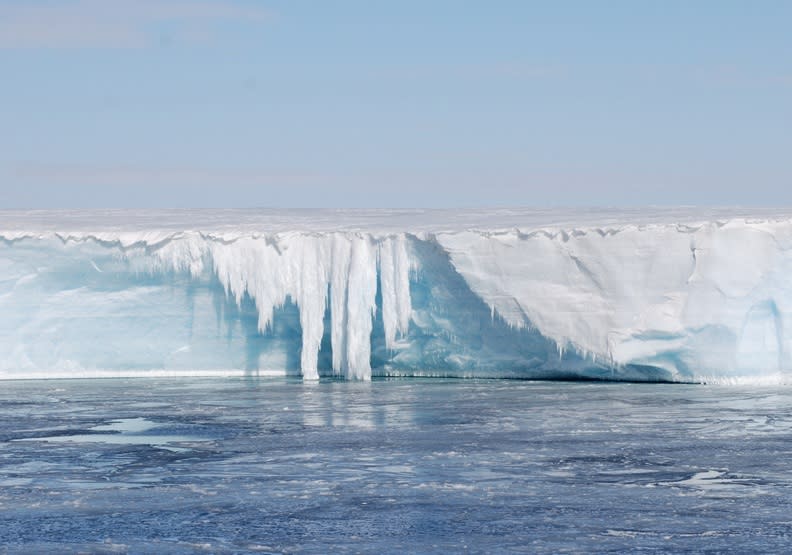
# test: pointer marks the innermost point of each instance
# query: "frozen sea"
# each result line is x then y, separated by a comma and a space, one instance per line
392, 466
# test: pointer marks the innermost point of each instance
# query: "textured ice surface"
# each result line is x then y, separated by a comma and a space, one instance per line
395, 466
660, 294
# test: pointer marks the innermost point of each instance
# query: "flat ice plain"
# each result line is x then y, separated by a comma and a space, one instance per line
686, 295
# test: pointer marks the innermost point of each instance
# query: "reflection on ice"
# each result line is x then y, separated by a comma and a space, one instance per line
127, 431
719, 483
127, 426
410, 465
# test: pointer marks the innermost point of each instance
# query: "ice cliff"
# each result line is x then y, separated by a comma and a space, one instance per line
661, 294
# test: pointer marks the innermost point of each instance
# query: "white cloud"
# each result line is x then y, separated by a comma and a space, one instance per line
116, 23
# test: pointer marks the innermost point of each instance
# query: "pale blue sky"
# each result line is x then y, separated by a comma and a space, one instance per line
215, 103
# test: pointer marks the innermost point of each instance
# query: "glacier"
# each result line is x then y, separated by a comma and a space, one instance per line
653, 294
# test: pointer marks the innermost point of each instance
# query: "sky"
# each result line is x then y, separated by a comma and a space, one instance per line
373, 103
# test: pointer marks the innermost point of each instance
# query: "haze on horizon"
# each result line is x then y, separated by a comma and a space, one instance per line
242, 103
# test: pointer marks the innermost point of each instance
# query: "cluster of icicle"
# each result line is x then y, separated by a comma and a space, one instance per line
312, 269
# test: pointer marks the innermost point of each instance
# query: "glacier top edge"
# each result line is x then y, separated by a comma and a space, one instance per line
239, 222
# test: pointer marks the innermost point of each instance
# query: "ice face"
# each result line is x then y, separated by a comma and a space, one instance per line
667, 295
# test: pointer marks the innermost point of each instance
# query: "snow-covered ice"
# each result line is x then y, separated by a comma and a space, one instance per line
650, 294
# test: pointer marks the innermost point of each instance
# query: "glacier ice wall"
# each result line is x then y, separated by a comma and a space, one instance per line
682, 301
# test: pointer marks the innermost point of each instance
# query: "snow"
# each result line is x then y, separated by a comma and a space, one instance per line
649, 294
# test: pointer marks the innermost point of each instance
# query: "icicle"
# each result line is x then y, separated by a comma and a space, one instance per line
339, 279
394, 270
307, 268
361, 299
401, 278
388, 291
311, 299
